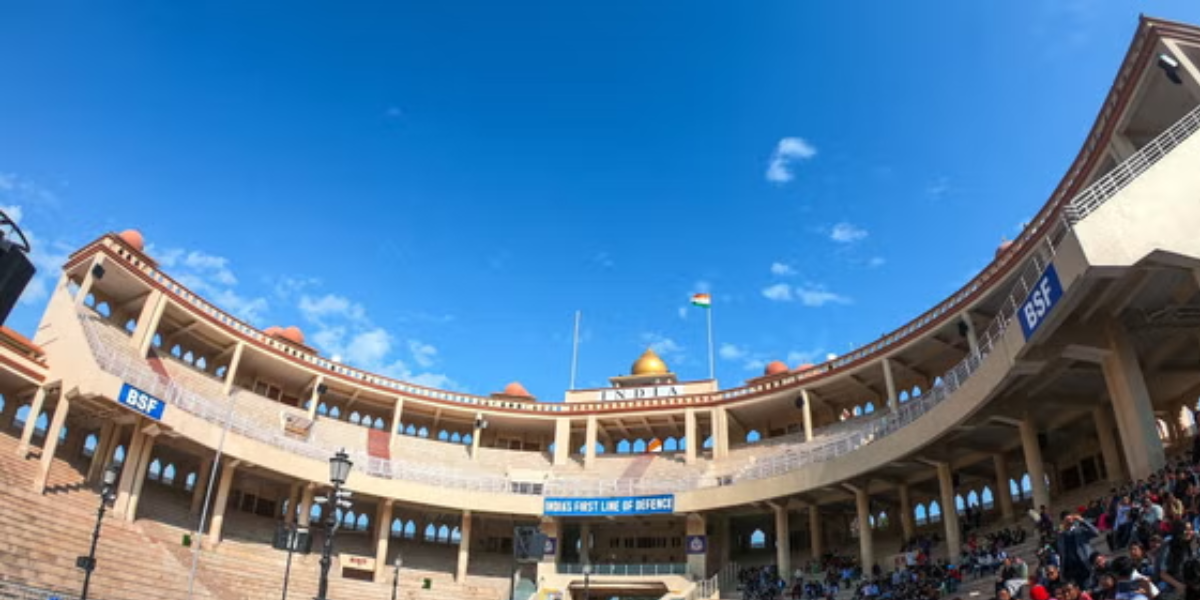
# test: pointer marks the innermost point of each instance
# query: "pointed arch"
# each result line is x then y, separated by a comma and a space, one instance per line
335, 413
355, 418
921, 514
168, 474
423, 432
758, 539
379, 424
155, 471
430, 533
455, 438
130, 326
397, 528
119, 455
323, 409
189, 483
410, 430
639, 446
935, 512
869, 408
623, 447
972, 499
443, 534
670, 445
410, 530
89, 442
986, 498
363, 522
753, 436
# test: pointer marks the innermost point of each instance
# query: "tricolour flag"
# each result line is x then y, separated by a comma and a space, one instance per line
702, 300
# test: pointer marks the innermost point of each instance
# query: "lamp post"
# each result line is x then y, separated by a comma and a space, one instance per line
396, 576
587, 574
339, 470
108, 493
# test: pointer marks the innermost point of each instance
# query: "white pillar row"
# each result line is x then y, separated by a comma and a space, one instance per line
1131, 404
562, 441
1033, 463
130, 469
140, 480
806, 399
866, 541
890, 382
906, 513
783, 541
222, 499
35, 409
85, 287
589, 441
383, 526
972, 335
314, 396
949, 511
147, 321
720, 432
200, 488
689, 434
304, 519
232, 371
51, 444
1003, 492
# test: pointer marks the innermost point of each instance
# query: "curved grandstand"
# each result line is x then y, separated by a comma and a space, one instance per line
1083, 328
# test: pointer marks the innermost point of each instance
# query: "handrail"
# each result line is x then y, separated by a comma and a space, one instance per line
846, 438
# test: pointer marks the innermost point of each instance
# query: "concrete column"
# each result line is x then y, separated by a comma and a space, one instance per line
866, 541
464, 547
304, 519
807, 410
562, 441
949, 512
697, 561
293, 498
972, 335
720, 427
201, 486
589, 440
1034, 464
397, 421
222, 499
383, 527
585, 551
889, 381
1105, 433
85, 287
232, 371
131, 469
551, 527
726, 539
314, 397
906, 513
103, 449
148, 320
35, 410
1003, 493
693, 442
1131, 403
783, 540
476, 435
51, 445
816, 531
135, 493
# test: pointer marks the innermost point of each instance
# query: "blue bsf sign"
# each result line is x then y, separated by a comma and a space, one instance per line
1045, 294
141, 401
602, 507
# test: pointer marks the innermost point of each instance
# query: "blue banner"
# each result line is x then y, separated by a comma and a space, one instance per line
141, 402
603, 507
1045, 294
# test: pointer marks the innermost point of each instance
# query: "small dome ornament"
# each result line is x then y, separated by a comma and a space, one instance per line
649, 364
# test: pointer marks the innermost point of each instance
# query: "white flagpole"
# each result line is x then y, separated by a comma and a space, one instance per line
575, 349
712, 363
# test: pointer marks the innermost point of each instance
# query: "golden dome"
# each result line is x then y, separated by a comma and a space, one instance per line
649, 364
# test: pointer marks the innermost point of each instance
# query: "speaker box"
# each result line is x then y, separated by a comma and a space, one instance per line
15, 273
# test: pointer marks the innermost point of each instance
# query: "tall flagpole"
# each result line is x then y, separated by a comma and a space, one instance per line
712, 362
575, 349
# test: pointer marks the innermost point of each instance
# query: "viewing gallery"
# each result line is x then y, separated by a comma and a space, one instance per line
1070, 364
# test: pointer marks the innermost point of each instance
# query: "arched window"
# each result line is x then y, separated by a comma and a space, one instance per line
869, 408
904, 396
168, 474
938, 382
935, 512
986, 497
670, 445
600, 449
455, 438
882, 520
158, 340
430, 533
683, 443
223, 369
348, 519
753, 436
89, 443
397, 528
959, 504
871, 521
314, 513
455, 536
1014, 489
443, 435
858, 411
202, 363
189, 484
355, 419
335, 413
639, 446
322, 409
972, 499
423, 432
466, 439
363, 522
155, 470
623, 447
443, 534
922, 515
188, 357
104, 309
708, 443
119, 455
1026, 485
62, 434
379, 424
410, 530
758, 539
410, 430
130, 326
916, 392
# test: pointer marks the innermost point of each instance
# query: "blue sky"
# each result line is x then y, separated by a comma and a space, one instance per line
431, 190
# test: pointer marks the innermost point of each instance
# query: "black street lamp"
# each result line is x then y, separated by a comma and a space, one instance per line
396, 576
339, 470
108, 494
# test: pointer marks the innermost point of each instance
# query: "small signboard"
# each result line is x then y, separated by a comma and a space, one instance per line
1041, 300
141, 402
604, 507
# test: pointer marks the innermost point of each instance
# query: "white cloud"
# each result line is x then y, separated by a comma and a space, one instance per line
830, 356
683, 312
316, 310
796, 358
876, 261
702, 287
787, 152
751, 360
808, 295
731, 352
212, 277
782, 269
423, 353
847, 233
663, 346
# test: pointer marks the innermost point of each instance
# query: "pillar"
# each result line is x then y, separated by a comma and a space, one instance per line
807, 410
131, 469
695, 545
138, 482
562, 441
1003, 493
585, 549
147, 321
397, 421
293, 498
306, 500
222, 499
889, 381
476, 435
104, 444
85, 287
720, 432
1103, 417
816, 532
314, 397
201, 486
866, 541
906, 513
551, 528
589, 441
51, 445
692, 443
35, 410
464, 547
232, 371
1034, 464
972, 335
950, 512
1131, 403
783, 541
383, 527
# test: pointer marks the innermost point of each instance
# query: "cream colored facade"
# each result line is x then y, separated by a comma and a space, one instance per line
960, 400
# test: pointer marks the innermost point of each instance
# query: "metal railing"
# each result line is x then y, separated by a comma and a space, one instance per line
623, 570
14, 591
828, 443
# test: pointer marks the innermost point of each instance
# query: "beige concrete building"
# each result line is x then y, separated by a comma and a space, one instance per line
1072, 360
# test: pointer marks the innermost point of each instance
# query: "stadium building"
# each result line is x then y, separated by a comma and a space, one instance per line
1069, 364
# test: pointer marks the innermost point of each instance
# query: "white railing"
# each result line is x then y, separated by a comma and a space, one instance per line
1147, 156
706, 589
828, 443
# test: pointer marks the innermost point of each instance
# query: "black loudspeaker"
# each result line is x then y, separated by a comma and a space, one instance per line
303, 539
15, 272
800, 402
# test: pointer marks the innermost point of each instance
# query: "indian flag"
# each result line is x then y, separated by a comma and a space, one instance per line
702, 300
